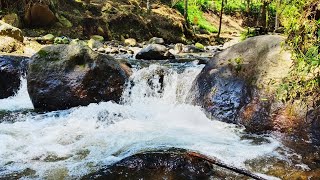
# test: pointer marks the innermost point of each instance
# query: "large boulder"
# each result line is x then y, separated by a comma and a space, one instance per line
238, 84
39, 15
65, 76
11, 70
154, 52
169, 164
10, 31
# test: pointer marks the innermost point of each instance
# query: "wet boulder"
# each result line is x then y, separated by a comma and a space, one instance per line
11, 70
154, 52
238, 85
65, 76
171, 164
314, 119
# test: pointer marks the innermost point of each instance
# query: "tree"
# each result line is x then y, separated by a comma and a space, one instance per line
265, 14
148, 6
248, 6
220, 23
276, 26
186, 12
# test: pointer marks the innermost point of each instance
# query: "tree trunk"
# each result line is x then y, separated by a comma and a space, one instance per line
220, 23
276, 26
267, 16
264, 14
186, 12
248, 7
148, 7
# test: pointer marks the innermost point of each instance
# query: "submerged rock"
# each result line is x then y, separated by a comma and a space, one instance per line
238, 85
65, 76
11, 69
154, 52
174, 164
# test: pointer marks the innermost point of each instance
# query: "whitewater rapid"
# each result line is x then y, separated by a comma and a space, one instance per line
75, 142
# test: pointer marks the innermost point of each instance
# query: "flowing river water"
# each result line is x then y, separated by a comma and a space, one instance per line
153, 114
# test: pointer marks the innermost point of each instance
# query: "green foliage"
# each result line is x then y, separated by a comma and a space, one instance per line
237, 62
249, 32
199, 45
42, 53
195, 14
303, 37
231, 7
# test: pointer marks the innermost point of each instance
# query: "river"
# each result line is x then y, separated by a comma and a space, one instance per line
153, 114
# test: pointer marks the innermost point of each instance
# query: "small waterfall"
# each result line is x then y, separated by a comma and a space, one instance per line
153, 115
20, 101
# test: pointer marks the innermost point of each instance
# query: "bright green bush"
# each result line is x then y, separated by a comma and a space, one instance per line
195, 14
304, 38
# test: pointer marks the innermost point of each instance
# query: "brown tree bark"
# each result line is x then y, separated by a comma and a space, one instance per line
186, 12
220, 22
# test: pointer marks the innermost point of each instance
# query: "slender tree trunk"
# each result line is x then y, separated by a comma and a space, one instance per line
267, 16
264, 14
148, 7
248, 7
276, 26
220, 23
186, 12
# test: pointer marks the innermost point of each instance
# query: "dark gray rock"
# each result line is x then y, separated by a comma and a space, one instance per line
191, 49
11, 69
235, 85
154, 52
65, 76
171, 164
314, 118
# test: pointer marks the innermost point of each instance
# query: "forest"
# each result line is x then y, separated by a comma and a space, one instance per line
160, 89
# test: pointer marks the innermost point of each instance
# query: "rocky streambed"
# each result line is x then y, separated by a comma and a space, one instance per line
128, 110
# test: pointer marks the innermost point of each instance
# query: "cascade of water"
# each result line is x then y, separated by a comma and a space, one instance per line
20, 101
152, 115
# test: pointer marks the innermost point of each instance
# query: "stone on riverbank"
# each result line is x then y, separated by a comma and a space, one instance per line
154, 52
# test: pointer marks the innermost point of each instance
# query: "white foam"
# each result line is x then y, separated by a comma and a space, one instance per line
19, 101
86, 138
